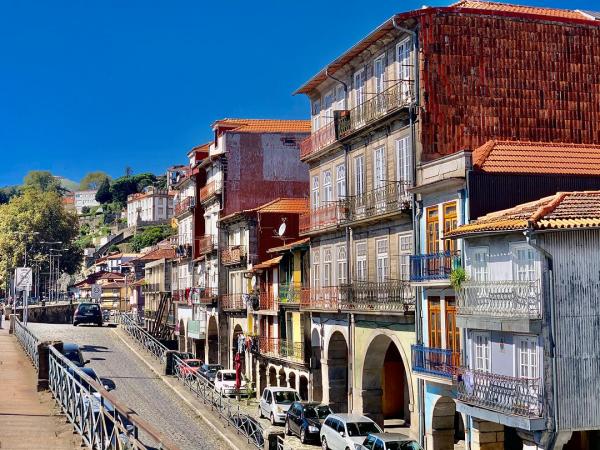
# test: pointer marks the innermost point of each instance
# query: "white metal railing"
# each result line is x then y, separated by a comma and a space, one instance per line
145, 339
28, 341
505, 298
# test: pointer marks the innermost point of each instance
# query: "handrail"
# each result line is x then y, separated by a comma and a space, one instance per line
506, 298
145, 339
435, 361
28, 341
433, 266
391, 197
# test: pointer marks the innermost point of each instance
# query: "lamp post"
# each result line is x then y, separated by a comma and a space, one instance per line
50, 243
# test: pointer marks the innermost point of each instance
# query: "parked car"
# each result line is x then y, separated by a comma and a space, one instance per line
304, 419
90, 373
388, 441
275, 402
189, 367
72, 352
209, 371
343, 431
88, 313
225, 382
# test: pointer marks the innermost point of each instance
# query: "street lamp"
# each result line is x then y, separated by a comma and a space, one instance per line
50, 243
55, 271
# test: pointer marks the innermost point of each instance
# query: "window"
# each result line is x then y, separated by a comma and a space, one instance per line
404, 160
435, 322
404, 66
526, 365
432, 229
379, 68
379, 168
481, 351
328, 108
327, 187
359, 87
359, 175
405, 250
361, 261
378, 445
316, 115
369, 442
523, 263
450, 223
479, 263
340, 181
342, 264
340, 98
315, 191
315, 270
383, 267
327, 266
452, 331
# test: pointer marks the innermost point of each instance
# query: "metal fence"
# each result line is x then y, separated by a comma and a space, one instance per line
433, 266
145, 339
505, 298
435, 361
28, 341
393, 296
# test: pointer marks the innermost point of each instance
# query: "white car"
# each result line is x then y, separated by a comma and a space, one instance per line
225, 383
275, 402
388, 441
344, 431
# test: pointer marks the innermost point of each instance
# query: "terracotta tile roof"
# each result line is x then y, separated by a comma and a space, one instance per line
268, 263
113, 285
520, 9
264, 125
159, 253
537, 158
290, 246
285, 205
563, 210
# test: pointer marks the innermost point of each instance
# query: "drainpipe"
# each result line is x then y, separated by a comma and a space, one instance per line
529, 236
419, 320
328, 75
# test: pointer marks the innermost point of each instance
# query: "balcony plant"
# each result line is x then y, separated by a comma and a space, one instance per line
457, 277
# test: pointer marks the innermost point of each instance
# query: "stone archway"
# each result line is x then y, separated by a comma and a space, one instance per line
447, 427
303, 388
337, 372
272, 376
292, 380
212, 336
315, 365
262, 378
282, 378
385, 388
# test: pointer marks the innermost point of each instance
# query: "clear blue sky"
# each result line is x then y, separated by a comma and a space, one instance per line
101, 85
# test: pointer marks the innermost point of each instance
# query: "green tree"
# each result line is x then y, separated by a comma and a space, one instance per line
93, 180
8, 192
150, 236
104, 194
41, 180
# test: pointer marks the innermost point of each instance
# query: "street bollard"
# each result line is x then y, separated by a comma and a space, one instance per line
44, 362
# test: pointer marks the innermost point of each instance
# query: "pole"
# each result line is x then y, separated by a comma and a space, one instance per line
25, 305
58, 277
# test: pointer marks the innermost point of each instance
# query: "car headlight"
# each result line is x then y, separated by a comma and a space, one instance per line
312, 429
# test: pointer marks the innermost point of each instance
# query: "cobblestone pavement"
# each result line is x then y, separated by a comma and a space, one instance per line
135, 384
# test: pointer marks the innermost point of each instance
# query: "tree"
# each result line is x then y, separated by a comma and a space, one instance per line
121, 188
150, 236
104, 194
93, 180
41, 180
85, 209
8, 192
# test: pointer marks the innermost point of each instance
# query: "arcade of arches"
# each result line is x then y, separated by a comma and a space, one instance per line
213, 341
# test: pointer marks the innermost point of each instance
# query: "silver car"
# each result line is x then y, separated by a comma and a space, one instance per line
388, 441
344, 431
275, 402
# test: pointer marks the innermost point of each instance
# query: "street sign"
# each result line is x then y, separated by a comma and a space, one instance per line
96, 291
23, 279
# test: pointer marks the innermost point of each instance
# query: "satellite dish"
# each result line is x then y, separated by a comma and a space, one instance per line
281, 229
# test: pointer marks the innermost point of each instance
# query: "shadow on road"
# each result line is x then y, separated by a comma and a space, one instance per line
94, 348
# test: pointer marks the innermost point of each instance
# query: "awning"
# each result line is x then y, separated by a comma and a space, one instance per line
290, 246
268, 263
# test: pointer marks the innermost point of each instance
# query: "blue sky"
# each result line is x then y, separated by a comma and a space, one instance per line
101, 85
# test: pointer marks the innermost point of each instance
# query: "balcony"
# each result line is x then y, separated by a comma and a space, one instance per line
386, 296
500, 299
501, 393
396, 97
232, 302
183, 251
210, 190
323, 217
435, 362
267, 302
181, 296
185, 205
318, 140
234, 254
290, 293
152, 288
206, 244
391, 198
320, 299
206, 296
282, 349
433, 266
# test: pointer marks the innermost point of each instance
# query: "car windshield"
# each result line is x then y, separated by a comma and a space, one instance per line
286, 397
317, 412
228, 376
403, 445
193, 363
88, 308
362, 428
72, 355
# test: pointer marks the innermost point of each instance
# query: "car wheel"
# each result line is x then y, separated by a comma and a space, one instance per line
272, 419
287, 428
324, 444
303, 435
99, 324
75, 324
260, 414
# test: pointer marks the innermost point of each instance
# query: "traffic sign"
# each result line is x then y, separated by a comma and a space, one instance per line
96, 291
23, 279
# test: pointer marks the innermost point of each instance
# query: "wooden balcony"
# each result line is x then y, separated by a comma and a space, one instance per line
387, 296
206, 244
185, 205
501, 393
234, 254
393, 99
509, 299
323, 217
435, 362
282, 349
391, 198
433, 266
210, 190
318, 140
232, 302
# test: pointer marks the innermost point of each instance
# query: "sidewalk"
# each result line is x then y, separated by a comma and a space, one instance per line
28, 419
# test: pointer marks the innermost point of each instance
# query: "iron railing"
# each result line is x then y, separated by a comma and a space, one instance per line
318, 140
233, 254
185, 205
267, 301
232, 302
385, 296
328, 215
210, 190
289, 293
390, 198
206, 295
500, 299
145, 339
151, 287
28, 341
281, 348
435, 361
398, 96
502, 393
433, 266
206, 244
320, 298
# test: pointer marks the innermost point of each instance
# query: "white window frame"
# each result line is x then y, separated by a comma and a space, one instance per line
315, 262
404, 65
316, 114
405, 246
531, 273
328, 274
327, 187
379, 80
340, 181
315, 192
404, 163
359, 175
531, 355
379, 178
328, 102
382, 260
362, 271
479, 272
341, 254
359, 82
481, 360
340, 98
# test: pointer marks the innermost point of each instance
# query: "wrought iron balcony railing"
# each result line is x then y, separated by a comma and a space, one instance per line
210, 190
433, 266
281, 348
435, 361
185, 205
328, 215
390, 198
267, 301
502, 393
398, 96
151, 287
290, 293
206, 244
318, 140
391, 296
500, 299
232, 302
320, 298
234, 254
206, 295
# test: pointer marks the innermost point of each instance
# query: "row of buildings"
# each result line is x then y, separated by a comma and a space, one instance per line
424, 250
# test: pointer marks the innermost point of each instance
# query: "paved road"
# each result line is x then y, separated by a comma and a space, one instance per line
135, 384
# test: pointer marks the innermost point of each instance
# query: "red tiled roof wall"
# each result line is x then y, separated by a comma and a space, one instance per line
265, 125
520, 9
290, 205
537, 158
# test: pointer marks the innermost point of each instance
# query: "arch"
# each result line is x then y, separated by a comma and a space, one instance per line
385, 388
447, 427
315, 365
272, 376
282, 378
337, 372
262, 377
303, 388
292, 380
213, 341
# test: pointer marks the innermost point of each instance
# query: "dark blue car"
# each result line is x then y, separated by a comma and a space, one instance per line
304, 419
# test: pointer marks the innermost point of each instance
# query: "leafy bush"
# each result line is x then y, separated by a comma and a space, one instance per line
457, 277
150, 236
